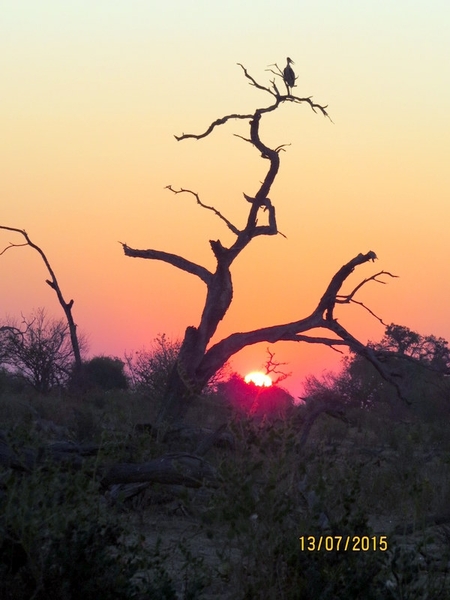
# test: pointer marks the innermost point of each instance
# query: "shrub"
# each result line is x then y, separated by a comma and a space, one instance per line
149, 369
38, 350
105, 373
59, 541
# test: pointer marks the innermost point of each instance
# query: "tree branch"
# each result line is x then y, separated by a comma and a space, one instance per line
223, 350
171, 259
341, 299
54, 282
369, 354
230, 225
273, 367
369, 311
278, 100
257, 85
346, 299
11, 245
271, 228
284, 97
213, 125
328, 300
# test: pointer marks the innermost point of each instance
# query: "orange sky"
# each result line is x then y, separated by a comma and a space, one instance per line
92, 94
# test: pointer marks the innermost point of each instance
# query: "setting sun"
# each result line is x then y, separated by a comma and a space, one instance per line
258, 378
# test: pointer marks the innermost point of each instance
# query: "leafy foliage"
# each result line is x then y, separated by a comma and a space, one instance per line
428, 350
105, 373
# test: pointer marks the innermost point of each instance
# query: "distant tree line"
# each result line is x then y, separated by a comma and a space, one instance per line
37, 352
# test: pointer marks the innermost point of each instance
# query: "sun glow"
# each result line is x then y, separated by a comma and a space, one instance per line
258, 378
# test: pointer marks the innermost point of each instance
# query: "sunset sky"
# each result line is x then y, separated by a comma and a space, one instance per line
92, 95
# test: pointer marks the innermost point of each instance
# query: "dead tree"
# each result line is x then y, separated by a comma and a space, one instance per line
198, 361
66, 306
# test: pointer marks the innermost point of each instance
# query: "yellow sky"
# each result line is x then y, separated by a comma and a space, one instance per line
92, 94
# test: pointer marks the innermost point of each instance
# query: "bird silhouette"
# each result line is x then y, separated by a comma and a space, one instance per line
289, 75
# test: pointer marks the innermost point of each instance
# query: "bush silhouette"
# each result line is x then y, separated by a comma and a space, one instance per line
105, 373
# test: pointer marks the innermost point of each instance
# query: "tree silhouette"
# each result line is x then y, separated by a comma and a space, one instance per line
39, 350
198, 361
66, 306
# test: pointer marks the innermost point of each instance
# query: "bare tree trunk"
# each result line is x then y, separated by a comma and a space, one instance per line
177, 399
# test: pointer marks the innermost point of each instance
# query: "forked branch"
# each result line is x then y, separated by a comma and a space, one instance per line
321, 318
347, 299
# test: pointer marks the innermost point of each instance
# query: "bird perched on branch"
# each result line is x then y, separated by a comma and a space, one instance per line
289, 75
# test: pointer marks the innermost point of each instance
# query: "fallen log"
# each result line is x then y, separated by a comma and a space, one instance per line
199, 439
177, 468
